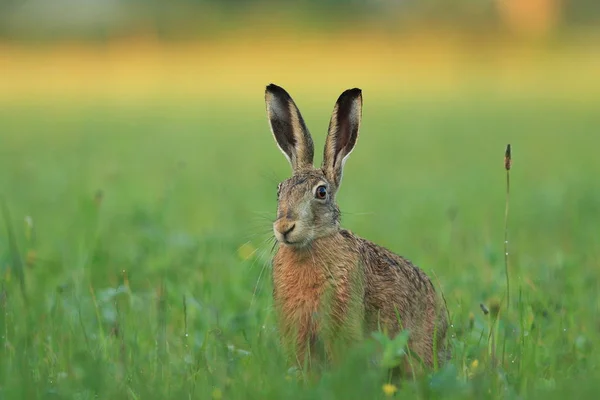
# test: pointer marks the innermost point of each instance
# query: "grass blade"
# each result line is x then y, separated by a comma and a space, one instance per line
507, 165
15, 256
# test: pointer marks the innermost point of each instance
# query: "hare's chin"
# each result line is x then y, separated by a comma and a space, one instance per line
296, 242
297, 245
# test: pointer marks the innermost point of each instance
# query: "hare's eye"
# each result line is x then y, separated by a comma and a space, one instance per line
321, 192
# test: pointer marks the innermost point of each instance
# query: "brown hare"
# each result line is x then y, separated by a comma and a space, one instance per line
330, 287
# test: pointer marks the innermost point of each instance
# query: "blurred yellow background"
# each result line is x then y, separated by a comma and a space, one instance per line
125, 52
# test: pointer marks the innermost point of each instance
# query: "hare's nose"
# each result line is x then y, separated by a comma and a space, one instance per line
284, 228
291, 228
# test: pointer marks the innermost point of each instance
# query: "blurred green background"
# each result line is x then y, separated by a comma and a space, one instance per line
139, 178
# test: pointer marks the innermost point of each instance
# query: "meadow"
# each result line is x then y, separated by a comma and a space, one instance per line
135, 244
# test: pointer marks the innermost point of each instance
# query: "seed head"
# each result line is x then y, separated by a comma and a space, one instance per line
507, 158
494, 309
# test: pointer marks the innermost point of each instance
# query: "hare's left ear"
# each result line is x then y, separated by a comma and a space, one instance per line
343, 133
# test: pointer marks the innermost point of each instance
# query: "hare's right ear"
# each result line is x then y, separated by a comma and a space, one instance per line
288, 128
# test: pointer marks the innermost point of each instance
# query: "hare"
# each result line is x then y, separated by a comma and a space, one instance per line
332, 288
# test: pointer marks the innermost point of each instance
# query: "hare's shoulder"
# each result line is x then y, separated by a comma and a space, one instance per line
384, 263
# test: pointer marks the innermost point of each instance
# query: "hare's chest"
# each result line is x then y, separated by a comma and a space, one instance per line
309, 296
317, 304
298, 289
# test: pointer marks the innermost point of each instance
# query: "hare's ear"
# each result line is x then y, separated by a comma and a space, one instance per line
288, 128
343, 133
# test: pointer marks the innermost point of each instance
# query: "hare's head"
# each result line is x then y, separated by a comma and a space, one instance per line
306, 208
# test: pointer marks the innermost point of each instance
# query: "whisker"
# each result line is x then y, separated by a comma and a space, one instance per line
263, 216
270, 175
357, 213
261, 257
257, 235
274, 245
262, 270
264, 241
260, 229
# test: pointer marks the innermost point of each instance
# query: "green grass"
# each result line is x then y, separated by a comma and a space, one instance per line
149, 293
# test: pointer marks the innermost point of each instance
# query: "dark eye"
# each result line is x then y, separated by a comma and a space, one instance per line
321, 192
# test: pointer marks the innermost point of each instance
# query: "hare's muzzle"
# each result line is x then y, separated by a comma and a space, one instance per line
283, 228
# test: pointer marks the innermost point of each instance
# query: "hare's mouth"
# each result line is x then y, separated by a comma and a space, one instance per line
297, 242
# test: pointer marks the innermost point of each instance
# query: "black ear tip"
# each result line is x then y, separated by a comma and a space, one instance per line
354, 93
276, 90
348, 98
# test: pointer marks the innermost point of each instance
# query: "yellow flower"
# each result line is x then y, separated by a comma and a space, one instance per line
473, 368
217, 394
389, 389
246, 251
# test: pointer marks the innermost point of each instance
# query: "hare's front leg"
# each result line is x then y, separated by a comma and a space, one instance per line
342, 317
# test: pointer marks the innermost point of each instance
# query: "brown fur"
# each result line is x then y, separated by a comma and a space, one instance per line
391, 286
330, 287
317, 293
